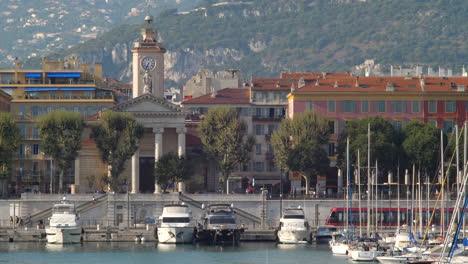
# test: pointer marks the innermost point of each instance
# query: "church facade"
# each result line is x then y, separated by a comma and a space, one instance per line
163, 121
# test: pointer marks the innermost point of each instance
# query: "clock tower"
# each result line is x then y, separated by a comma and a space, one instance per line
148, 63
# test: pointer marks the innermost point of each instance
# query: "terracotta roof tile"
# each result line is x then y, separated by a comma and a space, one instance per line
380, 84
224, 96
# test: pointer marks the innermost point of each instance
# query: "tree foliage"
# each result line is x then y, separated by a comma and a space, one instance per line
225, 139
60, 133
295, 138
9, 144
170, 168
385, 142
117, 137
422, 145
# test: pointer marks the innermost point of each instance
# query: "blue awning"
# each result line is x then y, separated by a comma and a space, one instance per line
63, 74
77, 88
33, 75
40, 89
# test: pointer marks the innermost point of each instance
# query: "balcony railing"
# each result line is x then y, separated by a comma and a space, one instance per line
267, 118
269, 101
48, 97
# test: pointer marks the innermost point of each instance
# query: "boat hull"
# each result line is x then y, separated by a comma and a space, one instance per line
340, 249
294, 236
173, 235
361, 255
63, 235
396, 260
215, 236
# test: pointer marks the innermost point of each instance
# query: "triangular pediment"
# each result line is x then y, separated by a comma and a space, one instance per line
147, 103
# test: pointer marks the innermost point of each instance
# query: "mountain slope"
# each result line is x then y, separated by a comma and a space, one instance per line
33, 28
265, 37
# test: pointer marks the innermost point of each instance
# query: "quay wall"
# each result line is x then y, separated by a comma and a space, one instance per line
122, 210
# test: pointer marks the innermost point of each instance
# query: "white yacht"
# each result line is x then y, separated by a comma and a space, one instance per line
63, 224
294, 227
338, 244
176, 224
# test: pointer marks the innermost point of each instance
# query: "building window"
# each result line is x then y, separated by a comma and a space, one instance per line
35, 149
348, 106
432, 122
88, 94
22, 130
90, 110
35, 133
269, 149
397, 125
243, 111
35, 111
380, 106
259, 130
416, 107
333, 126
22, 113
450, 106
448, 126
258, 149
331, 149
67, 94
398, 106
310, 105
365, 106
272, 128
258, 166
432, 106
271, 166
331, 106
245, 167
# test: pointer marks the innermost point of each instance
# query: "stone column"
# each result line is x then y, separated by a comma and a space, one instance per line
77, 170
181, 151
136, 172
181, 140
158, 150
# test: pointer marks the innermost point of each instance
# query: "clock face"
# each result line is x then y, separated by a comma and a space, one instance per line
148, 63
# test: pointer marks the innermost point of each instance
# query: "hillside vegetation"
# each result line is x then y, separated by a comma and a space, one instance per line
265, 37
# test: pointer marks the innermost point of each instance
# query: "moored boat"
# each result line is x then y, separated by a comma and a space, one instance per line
176, 225
294, 227
63, 224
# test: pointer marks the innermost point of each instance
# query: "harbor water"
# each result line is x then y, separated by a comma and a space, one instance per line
128, 253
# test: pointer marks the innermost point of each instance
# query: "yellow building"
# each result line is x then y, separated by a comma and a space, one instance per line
66, 85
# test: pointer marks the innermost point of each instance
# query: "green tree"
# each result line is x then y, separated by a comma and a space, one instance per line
422, 145
60, 133
385, 142
310, 159
9, 144
225, 139
295, 137
171, 168
117, 137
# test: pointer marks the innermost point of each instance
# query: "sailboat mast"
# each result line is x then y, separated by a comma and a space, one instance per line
376, 199
359, 191
420, 202
369, 182
464, 165
350, 193
442, 208
398, 202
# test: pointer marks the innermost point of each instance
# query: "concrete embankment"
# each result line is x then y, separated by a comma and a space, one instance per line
116, 235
